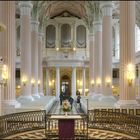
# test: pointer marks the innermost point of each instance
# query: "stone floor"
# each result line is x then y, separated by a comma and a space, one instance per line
93, 134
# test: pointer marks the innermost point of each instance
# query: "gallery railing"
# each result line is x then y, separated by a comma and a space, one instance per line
97, 119
114, 121
21, 122
80, 127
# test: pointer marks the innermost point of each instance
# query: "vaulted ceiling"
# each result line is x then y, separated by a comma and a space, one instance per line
82, 9
74, 7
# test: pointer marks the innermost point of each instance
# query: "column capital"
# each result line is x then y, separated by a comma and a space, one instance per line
106, 7
57, 67
73, 67
25, 8
91, 36
84, 68
40, 35
35, 25
97, 26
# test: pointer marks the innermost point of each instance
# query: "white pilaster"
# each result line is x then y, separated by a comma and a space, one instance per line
127, 94
116, 40
138, 97
7, 51
106, 7
83, 80
73, 81
91, 61
25, 41
40, 68
57, 88
1, 100
97, 58
34, 55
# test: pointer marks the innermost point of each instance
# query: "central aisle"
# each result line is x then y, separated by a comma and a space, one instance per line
57, 109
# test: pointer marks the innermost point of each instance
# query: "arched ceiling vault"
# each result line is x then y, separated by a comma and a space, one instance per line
82, 9
74, 7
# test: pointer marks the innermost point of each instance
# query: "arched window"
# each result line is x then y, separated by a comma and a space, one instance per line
137, 38
65, 35
81, 36
18, 49
116, 40
50, 36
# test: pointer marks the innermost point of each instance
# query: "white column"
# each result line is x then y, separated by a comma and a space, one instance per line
97, 56
40, 67
34, 60
138, 97
7, 50
116, 40
73, 81
106, 7
1, 99
47, 81
84, 81
25, 41
57, 84
127, 94
91, 61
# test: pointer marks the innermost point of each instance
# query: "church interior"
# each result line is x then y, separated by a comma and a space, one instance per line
69, 69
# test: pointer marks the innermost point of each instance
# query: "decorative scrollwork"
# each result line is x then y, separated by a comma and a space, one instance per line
21, 122
114, 121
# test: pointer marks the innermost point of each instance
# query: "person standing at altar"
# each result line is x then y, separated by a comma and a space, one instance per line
61, 97
71, 101
78, 100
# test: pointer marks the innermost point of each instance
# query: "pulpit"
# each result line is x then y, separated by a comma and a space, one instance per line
66, 125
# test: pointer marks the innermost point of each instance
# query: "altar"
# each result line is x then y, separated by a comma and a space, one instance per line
66, 125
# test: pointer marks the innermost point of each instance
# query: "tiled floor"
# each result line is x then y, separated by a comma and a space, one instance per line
93, 134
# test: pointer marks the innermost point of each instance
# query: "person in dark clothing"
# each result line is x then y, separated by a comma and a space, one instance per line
61, 98
78, 100
71, 101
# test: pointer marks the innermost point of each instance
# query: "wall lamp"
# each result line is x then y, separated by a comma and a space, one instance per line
130, 74
4, 74
38, 82
92, 83
98, 82
2, 27
57, 49
108, 82
80, 83
33, 82
74, 49
24, 80
50, 83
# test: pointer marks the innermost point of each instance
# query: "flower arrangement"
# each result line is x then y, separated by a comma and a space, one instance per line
66, 106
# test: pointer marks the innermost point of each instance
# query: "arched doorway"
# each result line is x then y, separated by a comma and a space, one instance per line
66, 84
